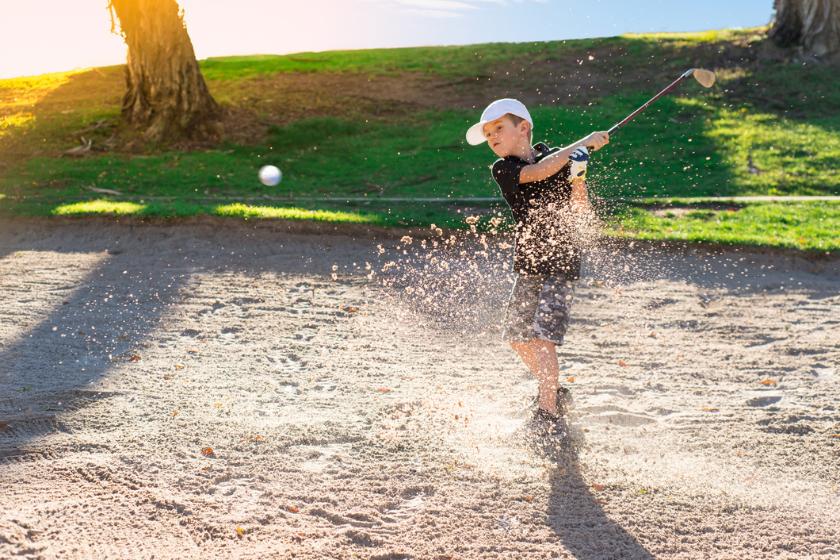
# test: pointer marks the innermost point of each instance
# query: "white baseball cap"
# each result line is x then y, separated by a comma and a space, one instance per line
496, 110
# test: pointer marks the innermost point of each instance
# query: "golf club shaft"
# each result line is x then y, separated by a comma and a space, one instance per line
630, 117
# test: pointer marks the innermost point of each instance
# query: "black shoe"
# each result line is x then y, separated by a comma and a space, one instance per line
565, 403
542, 424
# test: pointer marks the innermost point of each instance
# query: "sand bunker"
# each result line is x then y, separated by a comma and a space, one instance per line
361, 409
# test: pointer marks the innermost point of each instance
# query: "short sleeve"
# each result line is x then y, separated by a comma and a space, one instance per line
506, 174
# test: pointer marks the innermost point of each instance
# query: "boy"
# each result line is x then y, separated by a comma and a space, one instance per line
546, 196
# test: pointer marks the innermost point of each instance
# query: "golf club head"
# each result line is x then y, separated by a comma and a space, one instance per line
705, 77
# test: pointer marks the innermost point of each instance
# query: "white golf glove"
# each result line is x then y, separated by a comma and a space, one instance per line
578, 159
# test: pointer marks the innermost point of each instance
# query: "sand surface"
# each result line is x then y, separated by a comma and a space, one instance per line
359, 412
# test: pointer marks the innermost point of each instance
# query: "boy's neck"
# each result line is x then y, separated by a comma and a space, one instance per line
525, 152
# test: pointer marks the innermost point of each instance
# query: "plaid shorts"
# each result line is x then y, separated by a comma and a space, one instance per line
539, 307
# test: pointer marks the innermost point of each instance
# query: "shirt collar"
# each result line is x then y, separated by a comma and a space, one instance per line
541, 149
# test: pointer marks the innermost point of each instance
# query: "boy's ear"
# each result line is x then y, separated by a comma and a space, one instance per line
524, 127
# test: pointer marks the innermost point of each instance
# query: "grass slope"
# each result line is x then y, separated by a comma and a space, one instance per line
357, 123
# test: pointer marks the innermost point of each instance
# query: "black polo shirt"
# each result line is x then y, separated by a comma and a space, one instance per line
544, 237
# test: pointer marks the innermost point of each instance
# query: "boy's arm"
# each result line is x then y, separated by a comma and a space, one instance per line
580, 197
585, 222
556, 161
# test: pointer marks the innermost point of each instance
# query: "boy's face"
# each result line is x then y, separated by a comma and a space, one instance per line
506, 138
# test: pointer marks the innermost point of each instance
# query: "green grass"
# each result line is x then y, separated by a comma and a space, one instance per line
766, 128
104, 206
372, 213
98, 207
481, 60
450, 61
328, 156
810, 226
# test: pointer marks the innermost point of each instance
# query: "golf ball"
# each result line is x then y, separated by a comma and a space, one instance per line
270, 175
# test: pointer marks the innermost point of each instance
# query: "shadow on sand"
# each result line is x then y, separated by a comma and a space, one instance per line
574, 511
50, 369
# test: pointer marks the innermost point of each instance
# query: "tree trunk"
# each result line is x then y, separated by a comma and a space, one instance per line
165, 91
813, 24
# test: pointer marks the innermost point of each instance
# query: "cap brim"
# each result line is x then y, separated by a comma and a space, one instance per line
475, 135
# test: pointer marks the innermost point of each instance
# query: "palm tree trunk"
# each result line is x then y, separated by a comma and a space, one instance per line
165, 91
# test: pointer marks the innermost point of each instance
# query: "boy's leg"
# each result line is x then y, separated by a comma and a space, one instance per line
536, 321
540, 356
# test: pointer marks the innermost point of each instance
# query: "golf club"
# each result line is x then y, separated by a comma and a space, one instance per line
705, 77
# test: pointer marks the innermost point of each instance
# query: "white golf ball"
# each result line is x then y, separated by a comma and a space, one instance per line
270, 175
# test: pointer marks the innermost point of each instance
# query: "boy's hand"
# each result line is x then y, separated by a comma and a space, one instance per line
578, 158
596, 140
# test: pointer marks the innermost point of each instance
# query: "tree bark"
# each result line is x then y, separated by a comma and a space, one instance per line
165, 91
813, 24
